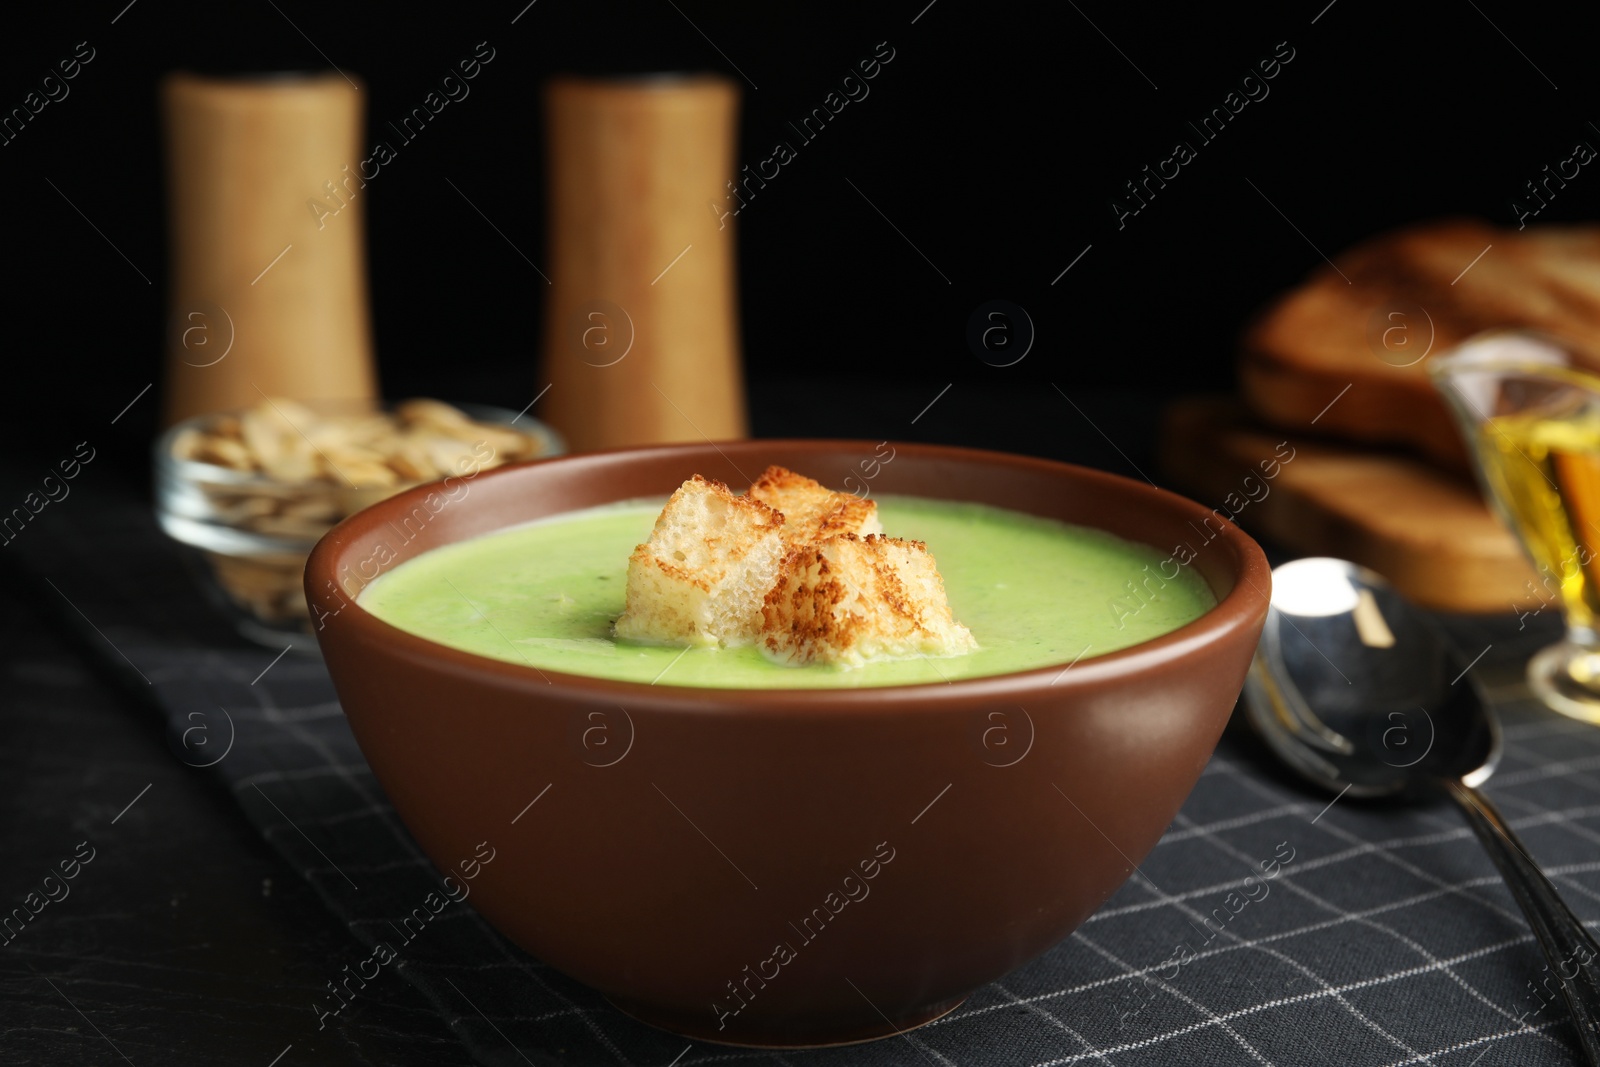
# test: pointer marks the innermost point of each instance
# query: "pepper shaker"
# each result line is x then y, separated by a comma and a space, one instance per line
641, 339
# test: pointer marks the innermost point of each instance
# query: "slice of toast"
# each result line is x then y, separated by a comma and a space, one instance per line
1422, 528
850, 599
1365, 324
811, 511
702, 577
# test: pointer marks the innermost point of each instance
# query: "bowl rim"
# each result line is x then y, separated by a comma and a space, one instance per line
1245, 605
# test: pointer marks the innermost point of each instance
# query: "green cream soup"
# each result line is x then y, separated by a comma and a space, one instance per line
1033, 591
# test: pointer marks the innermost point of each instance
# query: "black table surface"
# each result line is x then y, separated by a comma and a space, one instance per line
189, 939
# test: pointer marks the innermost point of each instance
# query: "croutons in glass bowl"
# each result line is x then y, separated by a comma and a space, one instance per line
250, 492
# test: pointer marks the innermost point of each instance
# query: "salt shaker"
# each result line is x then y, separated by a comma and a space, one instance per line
269, 276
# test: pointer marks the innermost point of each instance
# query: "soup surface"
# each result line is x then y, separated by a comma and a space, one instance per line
1033, 591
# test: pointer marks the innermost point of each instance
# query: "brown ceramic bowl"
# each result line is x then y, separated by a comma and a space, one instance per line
787, 867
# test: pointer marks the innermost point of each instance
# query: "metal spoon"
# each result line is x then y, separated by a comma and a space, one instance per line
1357, 691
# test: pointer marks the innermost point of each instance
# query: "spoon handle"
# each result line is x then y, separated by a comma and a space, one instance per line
1569, 949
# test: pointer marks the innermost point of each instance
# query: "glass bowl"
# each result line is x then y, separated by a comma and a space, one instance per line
247, 532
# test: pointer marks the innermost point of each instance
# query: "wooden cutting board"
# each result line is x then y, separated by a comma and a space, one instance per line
1426, 531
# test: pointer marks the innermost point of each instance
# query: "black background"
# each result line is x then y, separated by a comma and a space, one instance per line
995, 140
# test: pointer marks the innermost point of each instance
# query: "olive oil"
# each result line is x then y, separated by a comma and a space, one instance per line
1543, 473
1529, 405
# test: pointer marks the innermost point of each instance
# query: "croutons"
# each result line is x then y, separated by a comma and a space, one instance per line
800, 570
811, 511
847, 600
702, 577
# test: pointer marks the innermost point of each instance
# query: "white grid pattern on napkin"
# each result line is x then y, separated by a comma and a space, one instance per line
1254, 808
1389, 940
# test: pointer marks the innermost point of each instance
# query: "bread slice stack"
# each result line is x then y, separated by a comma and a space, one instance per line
1371, 321
801, 571
1335, 375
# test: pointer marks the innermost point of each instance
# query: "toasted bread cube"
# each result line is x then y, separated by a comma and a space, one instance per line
811, 511
702, 576
848, 600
